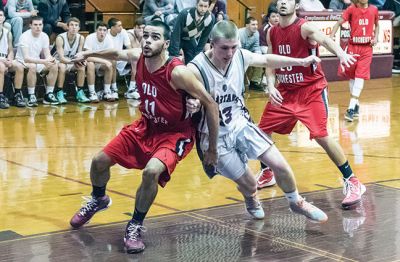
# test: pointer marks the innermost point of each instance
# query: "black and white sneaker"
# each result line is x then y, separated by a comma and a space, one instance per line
32, 101
50, 99
19, 100
4, 102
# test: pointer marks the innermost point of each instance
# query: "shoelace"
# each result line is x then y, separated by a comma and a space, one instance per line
348, 188
134, 230
87, 205
251, 202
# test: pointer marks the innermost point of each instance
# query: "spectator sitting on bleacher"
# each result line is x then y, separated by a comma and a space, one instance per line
120, 40
135, 35
97, 41
161, 8
191, 31
18, 12
311, 5
32, 43
68, 44
338, 5
8, 64
52, 11
250, 40
217, 6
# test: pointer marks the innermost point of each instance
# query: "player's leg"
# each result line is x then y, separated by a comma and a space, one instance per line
52, 73
132, 92
80, 82
62, 71
91, 77
31, 81
107, 68
3, 100
99, 201
18, 68
286, 181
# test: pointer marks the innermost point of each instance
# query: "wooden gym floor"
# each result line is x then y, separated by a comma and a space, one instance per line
45, 155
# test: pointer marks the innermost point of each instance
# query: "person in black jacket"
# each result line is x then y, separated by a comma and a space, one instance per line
52, 11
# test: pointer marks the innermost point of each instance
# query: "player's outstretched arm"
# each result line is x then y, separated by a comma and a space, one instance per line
183, 78
109, 54
276, 61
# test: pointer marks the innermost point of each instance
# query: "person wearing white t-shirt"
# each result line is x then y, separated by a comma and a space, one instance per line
31, 44
120, 40
97, 41
135, 35
8, 64
68, 44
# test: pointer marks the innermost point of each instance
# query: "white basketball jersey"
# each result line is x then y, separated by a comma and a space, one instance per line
69, 50
4, 43
227, 90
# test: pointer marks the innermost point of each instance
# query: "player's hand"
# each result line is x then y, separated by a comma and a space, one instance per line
275, 96
79, 57
312, 59
374, 42
80, 64
346, 60
210, 158
192, 105
8, 62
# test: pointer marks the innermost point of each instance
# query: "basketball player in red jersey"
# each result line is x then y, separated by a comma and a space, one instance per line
364, 30
301, 94
156, 142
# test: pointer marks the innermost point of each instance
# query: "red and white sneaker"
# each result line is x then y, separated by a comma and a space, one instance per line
353, 190
265, 178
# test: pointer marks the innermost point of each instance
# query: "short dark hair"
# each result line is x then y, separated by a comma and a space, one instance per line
73, 19
250, 19
139, 21
164, 26
209, 1
112, 22
272, 10
99, 24
36, 18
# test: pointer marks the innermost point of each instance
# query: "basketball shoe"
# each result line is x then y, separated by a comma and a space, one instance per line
254, 207
356, 111
265, 178
133, 238
305, 208
353, 190
349, 115
90, 207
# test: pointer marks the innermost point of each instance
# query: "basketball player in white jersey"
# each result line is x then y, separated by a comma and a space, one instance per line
68, 44
32, 43
8, 64
97, 41
222, 71
120, 39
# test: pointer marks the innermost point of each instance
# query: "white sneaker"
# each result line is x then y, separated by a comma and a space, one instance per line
93, 97
108, 97
132, 94
114, 93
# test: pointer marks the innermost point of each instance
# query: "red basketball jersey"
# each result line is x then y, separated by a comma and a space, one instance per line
287, 41
162, 105
362, 21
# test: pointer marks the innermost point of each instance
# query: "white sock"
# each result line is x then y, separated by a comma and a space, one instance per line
293, 197
132, 85
351, 84
49, 89
357, 87
91, 89
107, 88
31, 90
114, 86
353, 103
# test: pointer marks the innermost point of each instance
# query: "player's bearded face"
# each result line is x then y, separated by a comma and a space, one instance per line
153, 43
286, 7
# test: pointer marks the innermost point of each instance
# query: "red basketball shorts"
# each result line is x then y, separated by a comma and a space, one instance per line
308, 105
136, 144
362, 67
